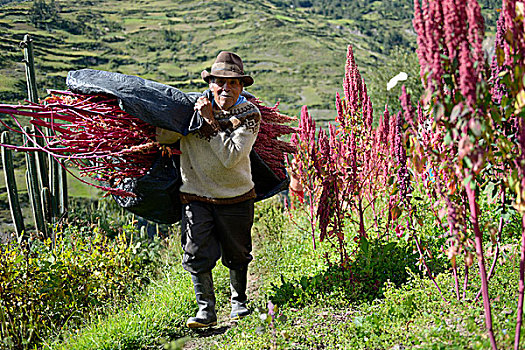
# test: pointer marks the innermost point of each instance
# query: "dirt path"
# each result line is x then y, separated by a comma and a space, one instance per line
204, 338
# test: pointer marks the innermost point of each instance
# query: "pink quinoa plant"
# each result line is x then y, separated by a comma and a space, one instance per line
467, 130
345, 170
472, 118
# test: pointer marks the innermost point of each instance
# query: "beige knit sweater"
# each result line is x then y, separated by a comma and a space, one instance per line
216, 165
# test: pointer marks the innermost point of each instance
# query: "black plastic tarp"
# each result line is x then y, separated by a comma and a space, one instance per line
155, 103
157, 192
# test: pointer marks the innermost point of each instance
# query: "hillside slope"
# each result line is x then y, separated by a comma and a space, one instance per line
295, 52
296, 57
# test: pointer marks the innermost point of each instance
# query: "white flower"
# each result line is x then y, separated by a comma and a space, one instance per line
393, 82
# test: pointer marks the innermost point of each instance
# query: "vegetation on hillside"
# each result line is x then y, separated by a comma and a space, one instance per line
294, 54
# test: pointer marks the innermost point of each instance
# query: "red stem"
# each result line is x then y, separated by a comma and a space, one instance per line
312, 212
456, 280
521, 287
473, 206
429, 272
465, 283
361, 219
496, 254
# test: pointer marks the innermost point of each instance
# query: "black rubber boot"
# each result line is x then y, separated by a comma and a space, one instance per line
238, 282
206, 316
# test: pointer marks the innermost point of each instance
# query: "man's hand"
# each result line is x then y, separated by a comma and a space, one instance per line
204, 107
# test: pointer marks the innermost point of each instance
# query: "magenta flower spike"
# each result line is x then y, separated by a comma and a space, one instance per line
347, 81
476, 32
419, 25
467, 75
340, 118
386, 125
406, 105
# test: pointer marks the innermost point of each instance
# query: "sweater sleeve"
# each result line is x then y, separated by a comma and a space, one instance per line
232, 146
166, 137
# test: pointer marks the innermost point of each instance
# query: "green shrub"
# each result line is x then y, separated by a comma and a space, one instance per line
375, 263
45, 287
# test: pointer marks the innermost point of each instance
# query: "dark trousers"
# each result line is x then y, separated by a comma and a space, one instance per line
210, 231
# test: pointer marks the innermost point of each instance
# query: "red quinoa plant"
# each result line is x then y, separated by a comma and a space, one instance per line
93, 134
479, 117
466, 135
511, 62
350, 167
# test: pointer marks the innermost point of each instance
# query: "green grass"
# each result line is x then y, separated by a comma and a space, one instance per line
76, 188
157, 317
285, 18
406, 316
160, 314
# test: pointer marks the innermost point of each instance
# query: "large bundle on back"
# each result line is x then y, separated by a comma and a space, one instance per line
268, 146
107, 131
92, 134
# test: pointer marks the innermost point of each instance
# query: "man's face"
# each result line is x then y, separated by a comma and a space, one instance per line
226, 91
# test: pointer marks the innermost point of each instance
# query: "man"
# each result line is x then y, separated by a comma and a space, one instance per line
217, 190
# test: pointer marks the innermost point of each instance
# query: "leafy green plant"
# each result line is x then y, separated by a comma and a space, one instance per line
47, 286
375, 263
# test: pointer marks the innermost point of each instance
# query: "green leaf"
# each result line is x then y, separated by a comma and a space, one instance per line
500, 56
439, 111
365, 245
447, 140
489, 191
520, 101
456, 111
396, 212
467, 162
475, 127
387, 249
391, 180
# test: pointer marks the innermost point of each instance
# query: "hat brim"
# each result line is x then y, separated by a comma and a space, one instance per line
246, 79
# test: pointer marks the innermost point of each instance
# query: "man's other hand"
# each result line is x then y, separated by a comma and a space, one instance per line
204, 107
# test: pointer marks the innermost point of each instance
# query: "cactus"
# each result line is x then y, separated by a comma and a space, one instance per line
62, 190
47, 209
33, 188
10, 183
30, 194
27, 45
54, 185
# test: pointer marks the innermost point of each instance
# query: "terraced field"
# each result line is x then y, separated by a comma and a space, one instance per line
296, 58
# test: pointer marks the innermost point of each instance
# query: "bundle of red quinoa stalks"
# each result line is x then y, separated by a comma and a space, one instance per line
104, 125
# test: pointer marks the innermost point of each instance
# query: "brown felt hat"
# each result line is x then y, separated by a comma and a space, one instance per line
227, 65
